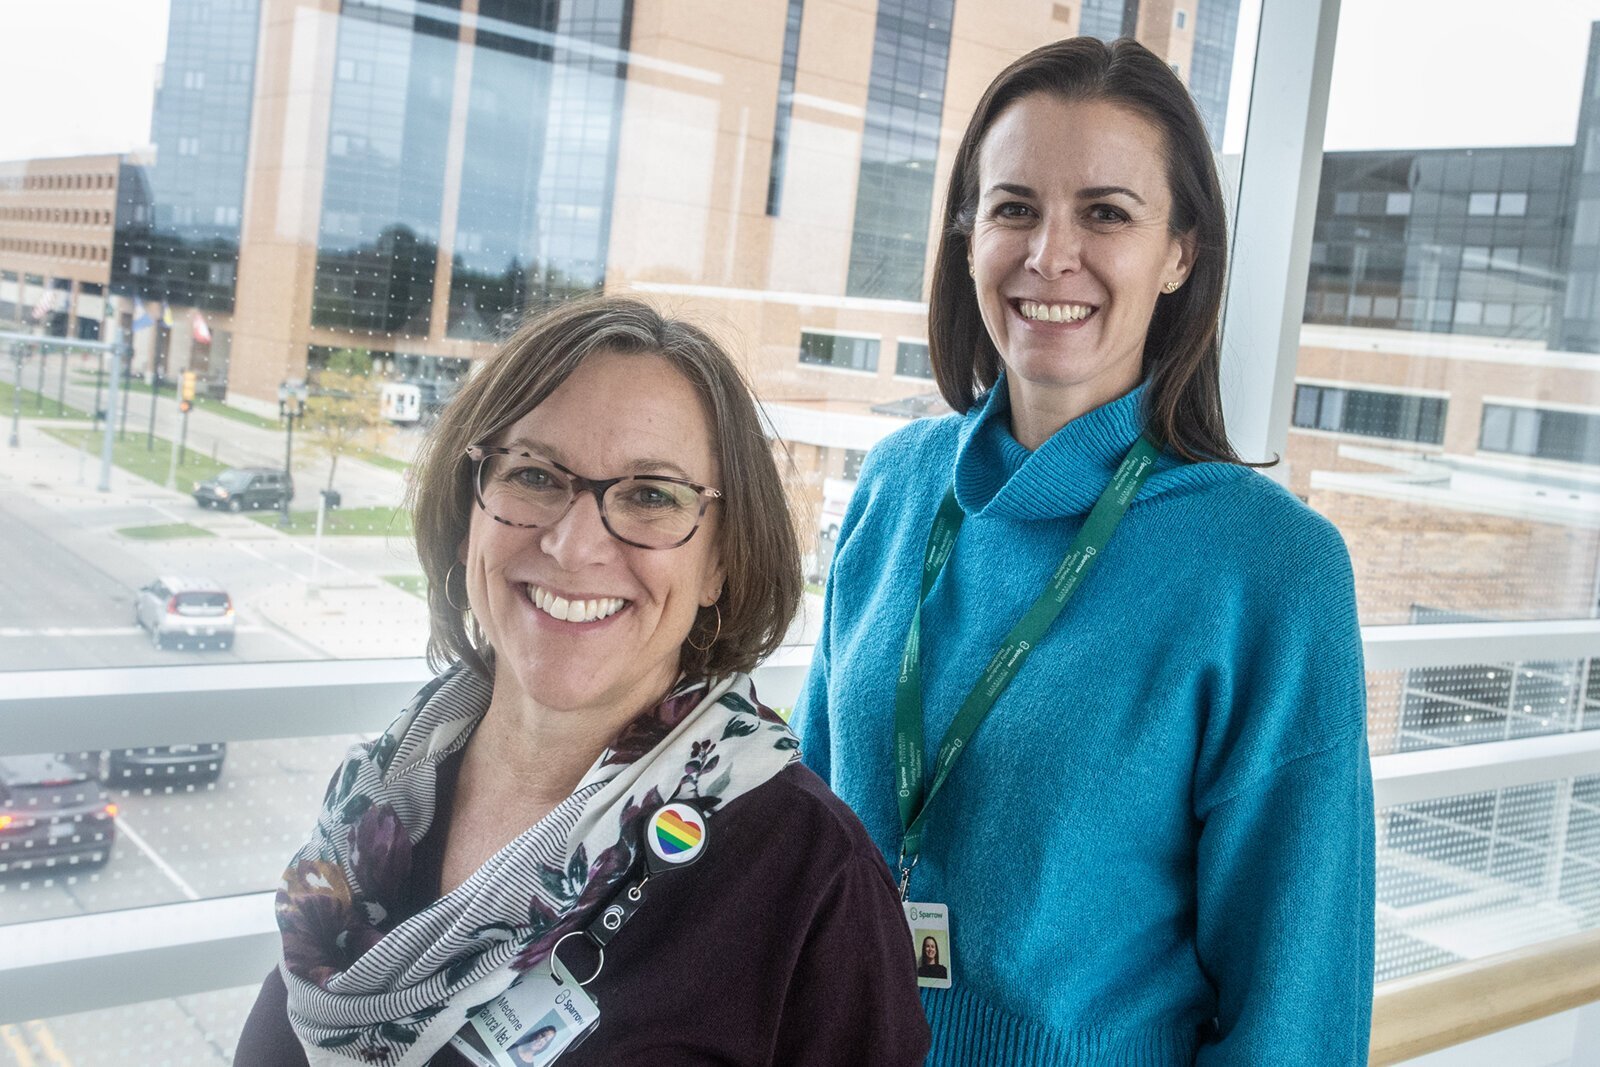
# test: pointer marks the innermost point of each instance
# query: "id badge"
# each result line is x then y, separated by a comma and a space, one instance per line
543, 1014
930, 935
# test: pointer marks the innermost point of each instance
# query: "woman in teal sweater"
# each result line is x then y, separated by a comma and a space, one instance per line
1093, 682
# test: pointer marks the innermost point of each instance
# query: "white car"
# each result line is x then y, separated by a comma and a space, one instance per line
188, 612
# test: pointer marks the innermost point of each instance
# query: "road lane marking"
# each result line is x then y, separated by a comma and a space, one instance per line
18, 1047
95, 631
47, 1043
162, 865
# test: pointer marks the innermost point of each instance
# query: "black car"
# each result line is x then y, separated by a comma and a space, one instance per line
52, 816
238, 488
132, 768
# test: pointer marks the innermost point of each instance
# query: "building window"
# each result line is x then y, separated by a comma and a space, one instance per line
1570, 436
1180, 18
853, 458
1514, 204
839, 350
1392, 416
1482, 203
911, 360
1397, 204
780, 122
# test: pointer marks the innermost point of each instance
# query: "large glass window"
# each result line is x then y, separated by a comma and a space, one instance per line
334, 210
1450, 302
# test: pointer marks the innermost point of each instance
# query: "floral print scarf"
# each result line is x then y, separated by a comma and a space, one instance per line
367, 985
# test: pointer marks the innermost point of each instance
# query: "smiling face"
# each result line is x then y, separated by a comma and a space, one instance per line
930, 950
1070, 248
578, 620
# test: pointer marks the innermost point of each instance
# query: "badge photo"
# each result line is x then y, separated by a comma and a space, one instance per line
676, 835
930, 936
543, 1014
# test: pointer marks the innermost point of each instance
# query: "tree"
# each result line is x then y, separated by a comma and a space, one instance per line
342, 416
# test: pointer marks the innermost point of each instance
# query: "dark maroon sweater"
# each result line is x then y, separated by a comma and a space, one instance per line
783, 944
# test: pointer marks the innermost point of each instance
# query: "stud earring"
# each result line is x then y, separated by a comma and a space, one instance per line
1170, 287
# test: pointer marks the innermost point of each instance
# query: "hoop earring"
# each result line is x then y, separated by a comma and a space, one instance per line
448, 599
711, 643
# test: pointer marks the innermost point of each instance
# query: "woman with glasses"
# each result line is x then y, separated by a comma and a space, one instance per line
588, 823
1090, 679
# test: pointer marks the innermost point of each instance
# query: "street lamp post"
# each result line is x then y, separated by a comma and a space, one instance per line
291, 405
16, 398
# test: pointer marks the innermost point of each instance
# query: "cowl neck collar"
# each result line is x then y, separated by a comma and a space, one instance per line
996, 476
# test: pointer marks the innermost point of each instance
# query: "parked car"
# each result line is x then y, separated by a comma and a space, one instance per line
51, 816
130, 768
186, 611
238, 488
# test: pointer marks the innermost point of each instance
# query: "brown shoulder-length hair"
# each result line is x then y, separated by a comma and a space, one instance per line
1182, 358
755, 536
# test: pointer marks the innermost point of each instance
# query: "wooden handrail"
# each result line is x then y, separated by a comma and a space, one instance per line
1435, 1009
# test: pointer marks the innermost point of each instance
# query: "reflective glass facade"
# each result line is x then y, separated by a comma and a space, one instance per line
899, 148
537, 173
389, 125
1467, 241
179, 213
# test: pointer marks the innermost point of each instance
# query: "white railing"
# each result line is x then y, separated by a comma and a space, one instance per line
64, 965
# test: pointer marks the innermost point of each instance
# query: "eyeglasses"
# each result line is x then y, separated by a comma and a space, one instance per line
644, 510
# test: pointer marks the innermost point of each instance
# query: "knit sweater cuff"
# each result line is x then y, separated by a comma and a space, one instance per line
969, 1031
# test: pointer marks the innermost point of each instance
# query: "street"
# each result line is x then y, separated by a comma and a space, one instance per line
66, 601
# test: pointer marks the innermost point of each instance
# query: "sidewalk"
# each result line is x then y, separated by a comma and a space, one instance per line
350, 621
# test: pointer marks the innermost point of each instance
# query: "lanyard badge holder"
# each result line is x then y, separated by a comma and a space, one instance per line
930, 922
545, 1012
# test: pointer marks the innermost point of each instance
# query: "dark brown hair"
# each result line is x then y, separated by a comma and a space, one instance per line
1182, 358
755, 535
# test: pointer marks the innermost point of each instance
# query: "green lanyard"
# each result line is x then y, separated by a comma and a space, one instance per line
1007, 660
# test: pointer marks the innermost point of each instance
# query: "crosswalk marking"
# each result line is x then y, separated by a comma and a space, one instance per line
19, 1048
93, 631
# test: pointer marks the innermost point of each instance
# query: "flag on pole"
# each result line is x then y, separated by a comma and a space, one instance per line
202, 332
166, 314
142, 321
42, 307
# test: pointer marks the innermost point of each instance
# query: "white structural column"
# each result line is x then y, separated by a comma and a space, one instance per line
1272, 227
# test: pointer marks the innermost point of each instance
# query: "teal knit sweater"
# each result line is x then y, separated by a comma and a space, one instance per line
1158, 848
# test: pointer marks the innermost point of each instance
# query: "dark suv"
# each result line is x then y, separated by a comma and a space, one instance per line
238, 488
52, 816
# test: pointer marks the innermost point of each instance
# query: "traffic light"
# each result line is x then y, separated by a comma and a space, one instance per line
188, 388
183, 406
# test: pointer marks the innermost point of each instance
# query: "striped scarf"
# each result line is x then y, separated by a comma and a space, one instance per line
366, 986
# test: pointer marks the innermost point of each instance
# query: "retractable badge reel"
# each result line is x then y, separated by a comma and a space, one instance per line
545, 1012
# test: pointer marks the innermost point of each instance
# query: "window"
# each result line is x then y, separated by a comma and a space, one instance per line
1569, 436
911, 360
839, 350
1180, 18
1394, 416
1482, 203
1397, 204
1515, 204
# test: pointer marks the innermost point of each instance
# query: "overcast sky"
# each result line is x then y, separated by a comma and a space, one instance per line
1408, 73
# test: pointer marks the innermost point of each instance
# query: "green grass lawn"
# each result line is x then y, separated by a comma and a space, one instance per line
344, 522
131, 455
30, 405
217, 407
170, 531
415, 584
378, 459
